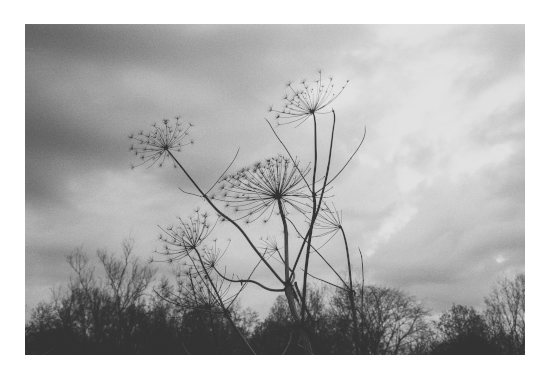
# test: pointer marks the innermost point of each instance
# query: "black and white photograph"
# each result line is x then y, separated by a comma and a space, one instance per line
337, 189
275, 189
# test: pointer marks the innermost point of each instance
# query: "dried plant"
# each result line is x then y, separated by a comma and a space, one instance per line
185, 237
306, 99
253, 192
275, 187
154, 146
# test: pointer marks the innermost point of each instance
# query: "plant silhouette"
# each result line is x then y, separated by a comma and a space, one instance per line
277, 187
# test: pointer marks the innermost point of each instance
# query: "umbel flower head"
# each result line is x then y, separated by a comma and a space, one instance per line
306, 99
270, 247
154, 146
211, 255
328, 220
203, 295
193, 293
188, 235
254, 191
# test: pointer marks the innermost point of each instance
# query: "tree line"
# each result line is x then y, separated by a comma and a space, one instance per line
124, 311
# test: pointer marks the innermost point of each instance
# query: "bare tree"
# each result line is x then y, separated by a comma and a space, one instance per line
462, 331
276, 334
127, 281
91, 304
277, 186
82, 304
391, 322
505, 314
127, 278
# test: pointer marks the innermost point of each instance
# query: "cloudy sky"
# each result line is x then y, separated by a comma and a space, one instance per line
435, 198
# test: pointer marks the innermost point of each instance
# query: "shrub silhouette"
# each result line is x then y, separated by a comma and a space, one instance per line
390, 322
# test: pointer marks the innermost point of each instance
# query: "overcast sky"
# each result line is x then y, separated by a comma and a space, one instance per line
435, 198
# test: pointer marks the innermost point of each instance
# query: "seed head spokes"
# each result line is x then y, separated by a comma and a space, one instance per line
305, 100
254, 191
328, 220
185, 237
156, 146
271, 247
213, 254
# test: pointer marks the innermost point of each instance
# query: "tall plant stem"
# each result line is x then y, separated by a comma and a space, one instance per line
352, 300
362, 294
315, 209
288, 284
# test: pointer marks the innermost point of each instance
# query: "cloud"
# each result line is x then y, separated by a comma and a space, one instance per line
502, 48
436, 192
390, 226
472, 230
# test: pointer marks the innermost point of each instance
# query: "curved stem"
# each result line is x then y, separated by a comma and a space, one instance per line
225, 171
289, 155
316, 211
316, 208
310, 232
348, 161
288, 344
319, 253
352, 298
248, 281
328, 163
328, 283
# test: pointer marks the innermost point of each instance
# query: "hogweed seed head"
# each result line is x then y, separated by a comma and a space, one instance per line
328, 220
305, 100
255, 191
156, 145
213, 254
188, 235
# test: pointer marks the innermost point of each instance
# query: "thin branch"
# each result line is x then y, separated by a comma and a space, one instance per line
326, 282
186, 192
309, 235
361, 143
319, 253
248, 281
290, 155
225, 171
288, 344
